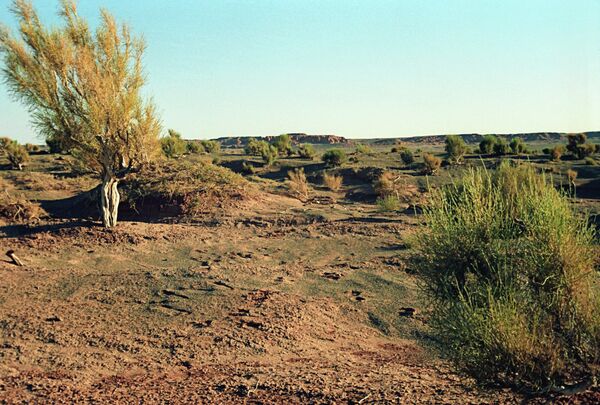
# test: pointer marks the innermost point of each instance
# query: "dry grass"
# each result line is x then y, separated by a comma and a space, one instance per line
571, 176
390, 184
432, 163
19, 209
332, 182
298, 185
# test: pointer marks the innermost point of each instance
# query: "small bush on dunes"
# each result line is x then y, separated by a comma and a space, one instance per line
332, 182
509, 269
334, 157
298, 185
432, 163
388, 203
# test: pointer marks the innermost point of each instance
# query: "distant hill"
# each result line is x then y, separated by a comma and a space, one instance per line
297, 138
594, 136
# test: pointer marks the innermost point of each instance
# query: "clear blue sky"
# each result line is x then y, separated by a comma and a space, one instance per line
359, 68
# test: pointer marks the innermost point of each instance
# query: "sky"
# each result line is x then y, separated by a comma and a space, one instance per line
360, 69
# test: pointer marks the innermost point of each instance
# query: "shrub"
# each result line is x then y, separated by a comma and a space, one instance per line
432, 163
571, 176
501, 147
388, 203
31, 148
486, 146
256, 147
394, 150
298, 185
248, 168
216, 160
55, 145
211, 146
4, 141
547, 151
576, 144
557, 152
509, 269
361, 148
407, 157
19, 209
455, 148
269, 155
17, 155
306, 151
334, 157
590, 161
283, 143
518, 146
332, 182
172, 145
194, 147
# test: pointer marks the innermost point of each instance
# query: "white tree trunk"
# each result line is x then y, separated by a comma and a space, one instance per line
109, 202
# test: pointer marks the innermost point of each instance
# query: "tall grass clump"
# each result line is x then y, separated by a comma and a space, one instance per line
510, 271
298, 185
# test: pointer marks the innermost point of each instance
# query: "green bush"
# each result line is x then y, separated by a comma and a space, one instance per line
17, 155
172, 145
361, 148
256, 147
486, 146
269, 155
501, 147
388, 203
211, 146
407, 157
517, 146
306, 151
509, 269
194, 147
455, 148
283, 143
334, 157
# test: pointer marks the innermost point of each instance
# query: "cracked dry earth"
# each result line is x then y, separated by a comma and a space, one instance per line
245, 310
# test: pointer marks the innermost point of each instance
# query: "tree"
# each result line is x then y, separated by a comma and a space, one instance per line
283, 143
83, 89
518, 146
455, 148
172, 145
334, 157
486, 146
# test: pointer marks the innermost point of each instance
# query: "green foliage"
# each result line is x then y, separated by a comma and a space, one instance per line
486, 146
501, 147
431, 163
283, 143
194, 147
17, 155
254, 147
407, 156
55, 145
509, 269
307, 151
211, 146
172, 145
334, 157
455, 148
361, 148
518, 146
269, 155
388, 203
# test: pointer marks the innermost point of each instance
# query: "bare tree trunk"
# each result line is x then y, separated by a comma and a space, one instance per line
109, 201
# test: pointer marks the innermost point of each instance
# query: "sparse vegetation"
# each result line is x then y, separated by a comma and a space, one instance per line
388, 203
486, 146
361, 148
407, 157
332, 182
307, 151
571, 176
172, 145
17, 155
517, 146
501, 147
432, 163
283, 144
334, 157
557, 152
298, 185
509, 269
269, 155
455, 148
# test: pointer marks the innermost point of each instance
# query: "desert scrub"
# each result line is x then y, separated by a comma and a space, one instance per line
388, 203
19, 209
298, 185
191, 189
509, 270
431, 163
332, 182
334, 157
